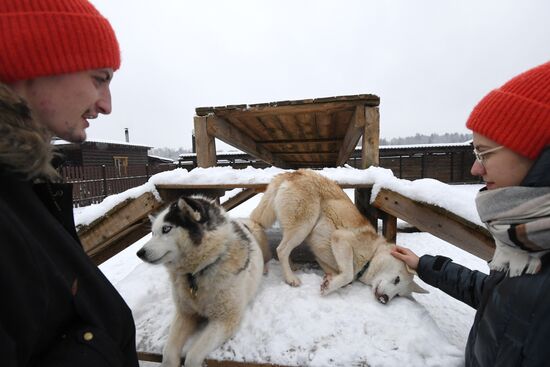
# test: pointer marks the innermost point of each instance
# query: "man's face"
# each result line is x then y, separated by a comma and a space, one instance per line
64, 103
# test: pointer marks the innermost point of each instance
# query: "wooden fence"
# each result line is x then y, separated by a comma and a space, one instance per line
91, 184
447, 163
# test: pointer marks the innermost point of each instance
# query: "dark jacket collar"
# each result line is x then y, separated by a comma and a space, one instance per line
539, 174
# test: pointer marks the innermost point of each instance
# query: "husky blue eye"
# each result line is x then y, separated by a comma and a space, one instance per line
166, 229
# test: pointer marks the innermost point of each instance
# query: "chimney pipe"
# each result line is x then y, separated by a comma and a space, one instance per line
127, 134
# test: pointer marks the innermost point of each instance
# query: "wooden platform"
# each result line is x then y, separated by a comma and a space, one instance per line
310, 133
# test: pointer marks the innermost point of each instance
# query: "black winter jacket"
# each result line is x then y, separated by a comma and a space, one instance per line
512, 322
56, 307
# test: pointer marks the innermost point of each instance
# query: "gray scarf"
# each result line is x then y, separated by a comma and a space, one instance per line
519, 220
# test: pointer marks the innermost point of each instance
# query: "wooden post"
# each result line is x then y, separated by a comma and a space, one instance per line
205, 143
423, 165
452, 178
371, 138
369, 157
389, 226
104, 176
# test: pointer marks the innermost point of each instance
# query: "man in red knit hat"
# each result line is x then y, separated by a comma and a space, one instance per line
511, 138
57, 58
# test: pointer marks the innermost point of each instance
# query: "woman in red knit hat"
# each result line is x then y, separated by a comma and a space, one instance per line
511, 138
57, 58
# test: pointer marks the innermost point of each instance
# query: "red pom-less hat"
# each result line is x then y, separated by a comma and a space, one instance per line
50, 37
517, 115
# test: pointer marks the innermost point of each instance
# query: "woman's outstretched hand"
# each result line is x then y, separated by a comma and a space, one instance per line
406, 255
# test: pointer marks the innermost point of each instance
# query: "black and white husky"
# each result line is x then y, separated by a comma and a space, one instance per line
215, 265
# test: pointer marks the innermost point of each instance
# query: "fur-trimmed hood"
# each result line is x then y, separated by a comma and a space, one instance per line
25, 147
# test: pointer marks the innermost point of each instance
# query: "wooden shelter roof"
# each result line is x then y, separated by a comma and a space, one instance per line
308, 133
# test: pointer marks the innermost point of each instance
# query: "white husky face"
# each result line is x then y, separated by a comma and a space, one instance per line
177, 230
163, 246
391, 279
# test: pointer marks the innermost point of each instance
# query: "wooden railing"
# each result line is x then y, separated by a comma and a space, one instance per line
91, 184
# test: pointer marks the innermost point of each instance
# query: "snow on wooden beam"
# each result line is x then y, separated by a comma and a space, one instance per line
116, 229
440, 222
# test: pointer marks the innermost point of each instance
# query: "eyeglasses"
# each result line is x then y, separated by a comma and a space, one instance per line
479, 155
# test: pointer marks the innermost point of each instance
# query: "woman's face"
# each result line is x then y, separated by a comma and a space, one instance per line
500, 168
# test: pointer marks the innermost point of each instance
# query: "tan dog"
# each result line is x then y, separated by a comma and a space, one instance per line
215, 265
314, 209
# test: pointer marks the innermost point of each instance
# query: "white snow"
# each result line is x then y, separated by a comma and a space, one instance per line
297, 326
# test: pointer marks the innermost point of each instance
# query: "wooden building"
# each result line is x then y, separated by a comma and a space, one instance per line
98, 153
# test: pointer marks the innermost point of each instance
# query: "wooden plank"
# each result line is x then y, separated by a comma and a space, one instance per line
155, 357
205, 143
298, 141
305, 153
119, 242
371, 138
222, 130
323, 123
238, 199
438, 221
306, 125
254, 127
355, 130
116, 221
280, 108
202, 111
274, 127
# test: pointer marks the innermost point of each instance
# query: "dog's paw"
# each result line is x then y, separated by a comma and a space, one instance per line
498, 266
294, 281
534, 266
325, 285
529, 265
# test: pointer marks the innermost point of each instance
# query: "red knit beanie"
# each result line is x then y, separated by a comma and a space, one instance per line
50, 37
517, 115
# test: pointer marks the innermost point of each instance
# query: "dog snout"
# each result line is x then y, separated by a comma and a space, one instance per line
141, 253
383, 298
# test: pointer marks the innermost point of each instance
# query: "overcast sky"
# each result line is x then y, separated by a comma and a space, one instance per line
429, 61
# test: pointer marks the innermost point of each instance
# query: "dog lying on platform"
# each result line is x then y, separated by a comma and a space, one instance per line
313, 209
215, 265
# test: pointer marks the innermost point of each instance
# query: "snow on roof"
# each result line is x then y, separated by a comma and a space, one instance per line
161, 158
62, 142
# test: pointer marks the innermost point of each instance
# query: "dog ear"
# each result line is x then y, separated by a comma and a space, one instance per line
418, 289
151, 218
188, 208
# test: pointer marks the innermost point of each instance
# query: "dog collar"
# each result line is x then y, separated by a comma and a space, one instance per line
363, 270
192, 278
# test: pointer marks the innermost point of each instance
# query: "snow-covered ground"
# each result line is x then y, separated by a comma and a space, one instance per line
297, 326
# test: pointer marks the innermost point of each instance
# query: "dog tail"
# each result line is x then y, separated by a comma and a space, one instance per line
264, 214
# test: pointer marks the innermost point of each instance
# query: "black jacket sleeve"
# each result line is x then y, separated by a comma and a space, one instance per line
456, 280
